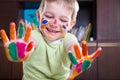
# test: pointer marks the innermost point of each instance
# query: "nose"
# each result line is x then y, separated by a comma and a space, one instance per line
54, 23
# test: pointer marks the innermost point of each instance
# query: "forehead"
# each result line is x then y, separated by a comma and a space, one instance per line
58, 8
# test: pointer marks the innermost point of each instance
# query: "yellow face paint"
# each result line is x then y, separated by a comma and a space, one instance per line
63, 30
50, 37
44, 23
66, 24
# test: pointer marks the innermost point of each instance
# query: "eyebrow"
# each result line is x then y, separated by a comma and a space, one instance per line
65, 17
48, 12
53, 14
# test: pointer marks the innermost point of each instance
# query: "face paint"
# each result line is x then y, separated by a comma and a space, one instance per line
44, 21
63, 30
67, 25
50, 37
63, 26
55, 21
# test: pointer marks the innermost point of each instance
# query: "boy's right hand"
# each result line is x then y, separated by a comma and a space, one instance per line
19, 47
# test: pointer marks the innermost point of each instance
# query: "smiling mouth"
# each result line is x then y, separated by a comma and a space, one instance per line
52, 31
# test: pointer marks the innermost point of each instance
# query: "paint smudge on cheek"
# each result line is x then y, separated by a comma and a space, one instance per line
63, 26
63, 30
43, 26
44, 23
66, 24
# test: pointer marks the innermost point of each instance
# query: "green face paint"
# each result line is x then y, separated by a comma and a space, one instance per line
72, 58
86, 65
13, 51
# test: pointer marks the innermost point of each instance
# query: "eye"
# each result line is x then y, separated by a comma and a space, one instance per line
64, 20
49, 16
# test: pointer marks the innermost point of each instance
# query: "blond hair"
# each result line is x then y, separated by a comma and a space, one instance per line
72, 4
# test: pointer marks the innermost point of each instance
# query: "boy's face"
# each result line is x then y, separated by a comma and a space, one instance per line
55, 21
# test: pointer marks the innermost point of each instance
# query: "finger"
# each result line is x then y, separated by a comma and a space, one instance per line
77, 51
72, 58
21, 29
13, 51
84, 49
4, 36
27, 34
8, 54
12, 31
30, 46
95, 54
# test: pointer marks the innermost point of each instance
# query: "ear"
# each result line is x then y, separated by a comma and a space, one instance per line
38, 15
71, 25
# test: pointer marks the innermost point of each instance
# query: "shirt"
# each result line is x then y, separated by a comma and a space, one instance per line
48, 61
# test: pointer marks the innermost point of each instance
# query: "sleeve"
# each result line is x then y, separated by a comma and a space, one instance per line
69, 40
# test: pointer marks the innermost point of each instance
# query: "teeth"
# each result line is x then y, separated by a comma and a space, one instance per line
51, 30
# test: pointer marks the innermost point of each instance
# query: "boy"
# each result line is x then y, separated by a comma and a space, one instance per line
48, 52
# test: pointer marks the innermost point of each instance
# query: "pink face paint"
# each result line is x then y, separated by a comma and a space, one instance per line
55, 21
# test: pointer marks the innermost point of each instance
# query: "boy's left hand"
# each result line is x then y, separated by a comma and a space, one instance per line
81, 61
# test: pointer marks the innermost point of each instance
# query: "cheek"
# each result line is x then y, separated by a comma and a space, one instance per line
64, 27
44, 23
63, 30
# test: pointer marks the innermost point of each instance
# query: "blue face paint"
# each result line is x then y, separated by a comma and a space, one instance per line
44, 21
63, 26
